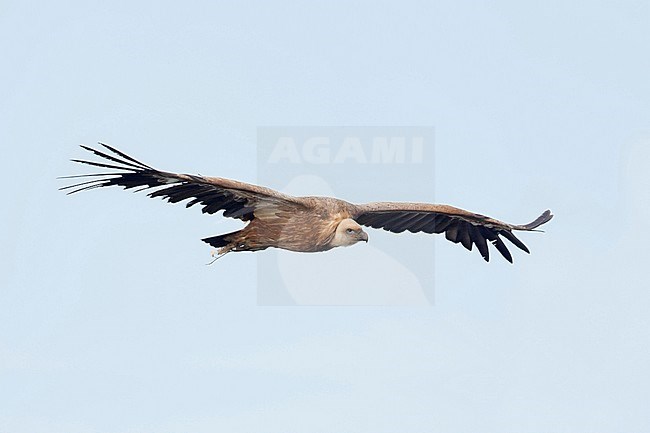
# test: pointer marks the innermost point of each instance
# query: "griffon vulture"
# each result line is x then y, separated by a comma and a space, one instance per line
304, 224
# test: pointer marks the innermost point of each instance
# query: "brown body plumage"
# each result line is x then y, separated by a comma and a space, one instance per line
303, 224
306, 224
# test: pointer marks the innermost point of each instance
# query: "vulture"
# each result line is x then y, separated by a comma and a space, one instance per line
302, 224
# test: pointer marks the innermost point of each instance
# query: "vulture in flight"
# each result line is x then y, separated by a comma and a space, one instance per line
303, 224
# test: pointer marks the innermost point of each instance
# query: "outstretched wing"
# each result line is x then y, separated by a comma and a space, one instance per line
459, 226
237, 199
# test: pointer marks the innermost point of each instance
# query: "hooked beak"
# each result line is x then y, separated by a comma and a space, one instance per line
363, 236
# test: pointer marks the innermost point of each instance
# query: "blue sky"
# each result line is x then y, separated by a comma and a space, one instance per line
110, 322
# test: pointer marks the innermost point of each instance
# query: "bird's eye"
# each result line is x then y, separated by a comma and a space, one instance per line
349, 231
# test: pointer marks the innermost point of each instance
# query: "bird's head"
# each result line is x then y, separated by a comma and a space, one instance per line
348, 232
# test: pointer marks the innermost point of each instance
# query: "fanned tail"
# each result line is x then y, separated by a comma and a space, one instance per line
220, 240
